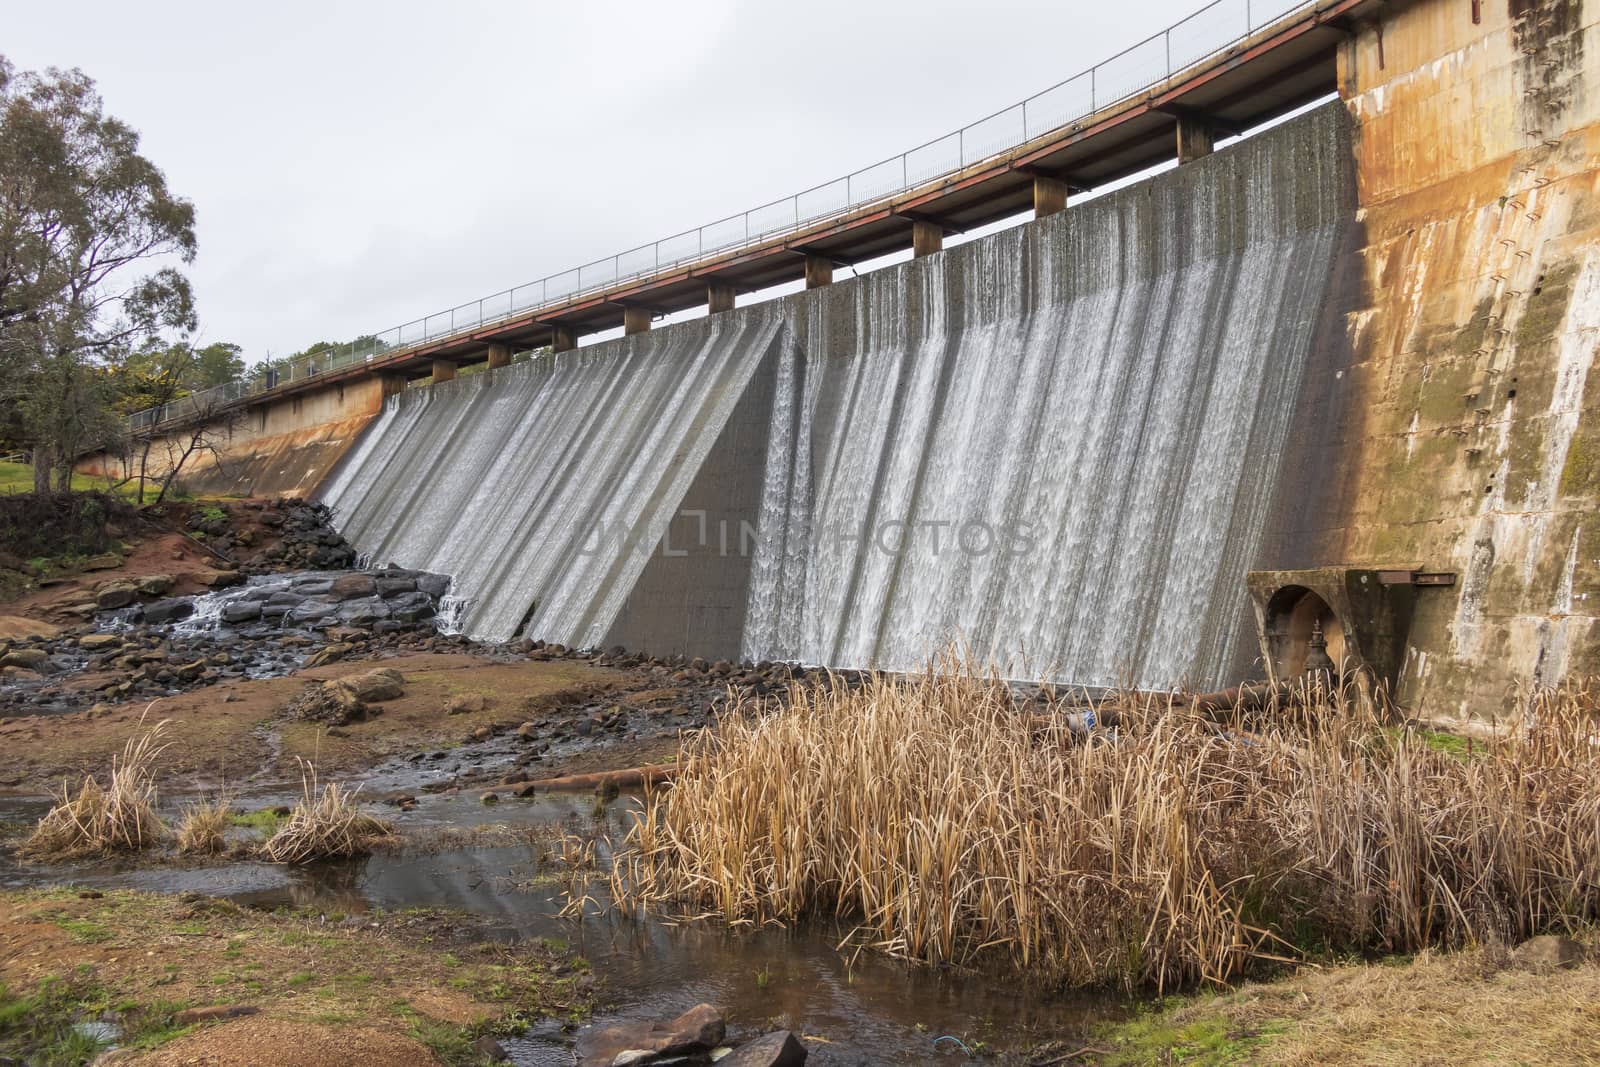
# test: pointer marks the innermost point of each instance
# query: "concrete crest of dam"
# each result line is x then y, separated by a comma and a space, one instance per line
1336, 376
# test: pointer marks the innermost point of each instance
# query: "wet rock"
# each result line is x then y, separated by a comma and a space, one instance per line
779, 1049
1548, 952
363, 612
489, 1049
353, 586
700, 1029
163, 611
435, 585
389, 587
241, 611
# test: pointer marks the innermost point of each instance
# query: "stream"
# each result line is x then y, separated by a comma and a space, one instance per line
851, 1008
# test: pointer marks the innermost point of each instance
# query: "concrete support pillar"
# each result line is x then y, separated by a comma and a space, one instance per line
566, 339
392, 384
444, 370
719, 297
926, 238
819, 271
1195, 139
1049, 196
635, 320
499, 355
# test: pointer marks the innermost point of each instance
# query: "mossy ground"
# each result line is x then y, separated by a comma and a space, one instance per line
136, 959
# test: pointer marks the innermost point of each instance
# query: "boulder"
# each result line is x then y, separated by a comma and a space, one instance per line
779, 1049
15, 626
435, 585
388, 587
219, 579
31, 659
1548, 952
99, 642
241, 611
106, 561
154, 584
373, 687
700, 1029
363, 612
328, 654
115, 595
353, 586
171, 610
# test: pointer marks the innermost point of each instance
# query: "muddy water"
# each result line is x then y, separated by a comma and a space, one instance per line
860, 1010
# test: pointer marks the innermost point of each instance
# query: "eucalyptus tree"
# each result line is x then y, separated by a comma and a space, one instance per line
91, 242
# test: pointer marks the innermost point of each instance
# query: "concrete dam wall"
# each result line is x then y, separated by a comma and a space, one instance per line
1062, 444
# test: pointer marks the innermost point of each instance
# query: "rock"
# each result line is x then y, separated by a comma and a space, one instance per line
778, 1049
699, 1029
99, 642
388, 587
154, 584
169, 610
1548, 952
328, 654
106, 561
220, 579
241, 611
435, 585
115, 595
352, 586
190, 671
190, 1016
374, 687
528, 732
490, 799
32, 659
364, 612
489, 1049
15, 626
464, 705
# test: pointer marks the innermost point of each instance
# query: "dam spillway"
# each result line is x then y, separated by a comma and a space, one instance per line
1060, 444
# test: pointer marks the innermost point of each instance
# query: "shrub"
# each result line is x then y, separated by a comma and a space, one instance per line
119, 816
324, 825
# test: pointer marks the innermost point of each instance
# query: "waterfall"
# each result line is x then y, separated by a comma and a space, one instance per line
1059, 444
542, 487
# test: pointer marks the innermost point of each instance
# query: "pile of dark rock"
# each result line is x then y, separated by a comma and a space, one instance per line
385, 601
306, 538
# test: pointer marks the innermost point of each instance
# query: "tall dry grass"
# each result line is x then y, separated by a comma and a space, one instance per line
947, 823
203, 827
119, 816
327, 823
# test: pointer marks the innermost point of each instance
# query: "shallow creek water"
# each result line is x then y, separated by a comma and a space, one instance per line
852, 1008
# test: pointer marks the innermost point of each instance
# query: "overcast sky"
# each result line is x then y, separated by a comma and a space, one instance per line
354, 166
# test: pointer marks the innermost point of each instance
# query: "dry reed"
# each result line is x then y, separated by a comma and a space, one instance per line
325, 824
946, 824
203, 828
117, 817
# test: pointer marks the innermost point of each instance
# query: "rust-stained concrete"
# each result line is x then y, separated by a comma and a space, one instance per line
1460, 429
283, 448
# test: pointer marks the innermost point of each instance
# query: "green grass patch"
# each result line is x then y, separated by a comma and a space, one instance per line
85, 931
1159, 1035
264, 821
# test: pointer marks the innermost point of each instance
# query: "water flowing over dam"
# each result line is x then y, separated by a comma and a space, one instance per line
1060, 443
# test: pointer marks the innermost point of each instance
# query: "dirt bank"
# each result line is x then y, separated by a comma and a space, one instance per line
451, 705
201, 981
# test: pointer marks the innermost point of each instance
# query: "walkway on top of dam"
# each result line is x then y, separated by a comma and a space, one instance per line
1220, 71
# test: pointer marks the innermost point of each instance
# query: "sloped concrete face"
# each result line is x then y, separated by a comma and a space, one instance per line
1463, 429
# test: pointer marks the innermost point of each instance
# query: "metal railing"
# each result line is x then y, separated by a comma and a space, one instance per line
1126, 76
